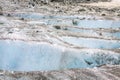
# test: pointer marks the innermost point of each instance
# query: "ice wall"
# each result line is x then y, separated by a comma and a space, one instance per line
24, 56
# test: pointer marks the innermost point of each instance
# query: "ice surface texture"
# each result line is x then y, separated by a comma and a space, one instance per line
24, 56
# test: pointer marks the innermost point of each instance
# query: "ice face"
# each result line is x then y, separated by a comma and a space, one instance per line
99, 24
25, 56
68, 20
92, 43
37, 16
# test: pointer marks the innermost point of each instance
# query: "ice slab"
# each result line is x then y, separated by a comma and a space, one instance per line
24, 56
52, 20
92, 43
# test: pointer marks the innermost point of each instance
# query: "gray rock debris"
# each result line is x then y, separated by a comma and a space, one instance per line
81, 1
1, 13
69, 1
108, 72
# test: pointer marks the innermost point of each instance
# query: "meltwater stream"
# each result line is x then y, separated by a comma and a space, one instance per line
30, 56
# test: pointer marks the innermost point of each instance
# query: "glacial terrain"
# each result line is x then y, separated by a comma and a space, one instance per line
52, 40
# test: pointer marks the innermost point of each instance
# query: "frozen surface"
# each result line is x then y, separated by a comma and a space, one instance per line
92, 43
37, 16
24, 56
117, 34
99, 23
52, 20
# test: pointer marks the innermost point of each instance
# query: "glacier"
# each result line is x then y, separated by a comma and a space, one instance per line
82, 21
92, 43
29, 56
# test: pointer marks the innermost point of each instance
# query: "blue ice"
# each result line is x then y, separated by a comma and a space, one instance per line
92, 43
24, 56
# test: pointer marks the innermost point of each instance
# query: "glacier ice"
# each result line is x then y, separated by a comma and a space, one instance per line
92, 43
68, 20
30, 56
